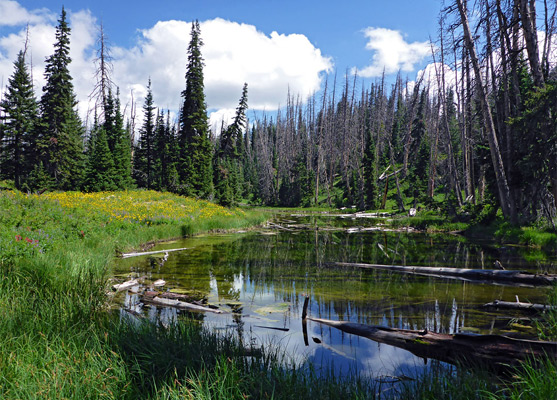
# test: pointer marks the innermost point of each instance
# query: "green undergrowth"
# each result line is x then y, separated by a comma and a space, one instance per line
541, 237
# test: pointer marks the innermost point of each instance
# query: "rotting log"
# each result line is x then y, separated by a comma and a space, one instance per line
148, 295
494, 351
145, 253
182, 305
126, 285
493, 275
516, 305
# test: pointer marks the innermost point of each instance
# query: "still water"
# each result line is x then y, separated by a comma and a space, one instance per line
262, 277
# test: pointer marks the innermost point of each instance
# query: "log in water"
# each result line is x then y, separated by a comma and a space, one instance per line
494, 351
493, 275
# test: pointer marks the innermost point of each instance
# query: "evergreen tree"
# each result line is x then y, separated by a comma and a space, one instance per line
228, 174
369, 162
118, 142
20, 111
196, 150
418, 175
165, 151
61, 141
100, 167
144, 157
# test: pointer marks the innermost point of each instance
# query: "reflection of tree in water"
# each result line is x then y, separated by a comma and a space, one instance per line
224, 269
286, 265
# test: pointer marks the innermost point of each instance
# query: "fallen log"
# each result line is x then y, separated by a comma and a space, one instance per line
493, 275
512, 305
182, 305
145, 253
273, 225
149, 294
494, 351
126, 285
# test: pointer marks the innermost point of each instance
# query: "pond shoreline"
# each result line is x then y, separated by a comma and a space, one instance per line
54, 264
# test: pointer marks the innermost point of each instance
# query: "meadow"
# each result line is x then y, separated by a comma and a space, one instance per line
59, 340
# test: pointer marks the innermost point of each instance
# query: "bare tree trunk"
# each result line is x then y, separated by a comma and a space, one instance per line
527, 10
549, 28
400, 202
505, 196
319, 139
433, 157
453, 172
412, 115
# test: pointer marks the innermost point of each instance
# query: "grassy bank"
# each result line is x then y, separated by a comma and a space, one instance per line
55, 249
58, 340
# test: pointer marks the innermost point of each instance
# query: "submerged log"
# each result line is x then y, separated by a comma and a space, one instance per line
493, 275
145, 253
182, 305
272, 328
512, 305
494, 351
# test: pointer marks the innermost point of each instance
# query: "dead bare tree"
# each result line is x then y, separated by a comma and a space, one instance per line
505, 195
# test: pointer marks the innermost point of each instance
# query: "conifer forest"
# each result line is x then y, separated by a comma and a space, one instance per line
477, 140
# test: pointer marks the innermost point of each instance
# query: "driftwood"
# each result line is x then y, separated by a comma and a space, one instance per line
148, 296
126, 285
145, 253
182, 305
495, 351
512, 305
516, 277
273, 225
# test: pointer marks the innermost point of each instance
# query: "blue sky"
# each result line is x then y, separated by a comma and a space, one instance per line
273, 45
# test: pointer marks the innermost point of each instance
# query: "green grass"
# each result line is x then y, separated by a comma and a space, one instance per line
59, 340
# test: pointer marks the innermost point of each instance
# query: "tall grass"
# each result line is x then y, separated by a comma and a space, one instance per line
55, 252
58, 340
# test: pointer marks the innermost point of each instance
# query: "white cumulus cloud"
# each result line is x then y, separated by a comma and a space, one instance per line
233, 53
391, 52
14, 14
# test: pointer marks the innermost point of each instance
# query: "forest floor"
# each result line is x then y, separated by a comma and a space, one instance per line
59, 340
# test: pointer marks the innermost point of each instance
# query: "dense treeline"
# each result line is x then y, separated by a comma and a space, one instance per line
480, 129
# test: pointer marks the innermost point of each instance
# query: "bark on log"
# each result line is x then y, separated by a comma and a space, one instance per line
182, 305
512, 305
494, 351
464, 273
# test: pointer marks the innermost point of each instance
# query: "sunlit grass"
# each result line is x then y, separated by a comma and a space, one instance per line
57, 339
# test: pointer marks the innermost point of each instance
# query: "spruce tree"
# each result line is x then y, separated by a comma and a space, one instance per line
118, 143
61, 141
144, 156
20, 113
100, 167
196, 150
161, 152
228, 161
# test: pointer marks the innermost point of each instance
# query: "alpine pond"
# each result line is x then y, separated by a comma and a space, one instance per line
262, 278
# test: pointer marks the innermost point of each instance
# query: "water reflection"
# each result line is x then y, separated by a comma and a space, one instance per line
262, 279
